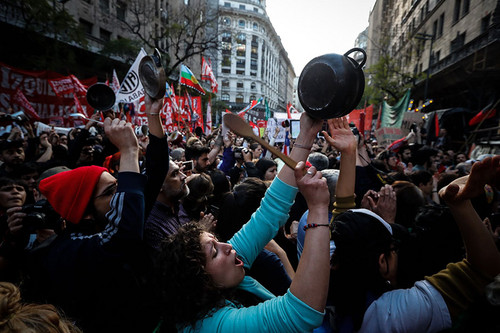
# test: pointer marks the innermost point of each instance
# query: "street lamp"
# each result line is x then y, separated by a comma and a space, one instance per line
425, 37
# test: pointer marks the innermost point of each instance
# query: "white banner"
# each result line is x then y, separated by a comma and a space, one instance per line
131, 88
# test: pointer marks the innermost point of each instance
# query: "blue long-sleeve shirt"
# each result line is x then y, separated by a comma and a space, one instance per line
280, 314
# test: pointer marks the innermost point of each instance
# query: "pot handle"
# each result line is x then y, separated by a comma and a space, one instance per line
156, 56
357, 49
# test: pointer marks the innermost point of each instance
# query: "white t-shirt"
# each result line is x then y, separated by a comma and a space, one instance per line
418, 309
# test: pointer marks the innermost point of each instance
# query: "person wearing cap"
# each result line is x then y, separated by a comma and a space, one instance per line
364, 267
93, 269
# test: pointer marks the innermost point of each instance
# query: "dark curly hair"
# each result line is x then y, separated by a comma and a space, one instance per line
188, 292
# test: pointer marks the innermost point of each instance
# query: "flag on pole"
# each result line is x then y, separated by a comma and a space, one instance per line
78, 106
268, 112
392, 116
79, 88
131, 88
249, 107
208, 75
22, 101
187, 78
486, 113
62, 86
208, 123
115, 83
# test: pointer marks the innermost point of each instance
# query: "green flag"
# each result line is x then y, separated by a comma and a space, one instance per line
268, 113
392, 116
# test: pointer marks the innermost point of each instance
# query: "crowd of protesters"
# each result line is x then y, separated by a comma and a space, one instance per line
108, 229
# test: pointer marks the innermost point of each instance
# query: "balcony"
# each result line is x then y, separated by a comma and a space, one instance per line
489, 37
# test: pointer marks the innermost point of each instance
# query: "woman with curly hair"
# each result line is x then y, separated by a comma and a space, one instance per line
20, 317
203, 281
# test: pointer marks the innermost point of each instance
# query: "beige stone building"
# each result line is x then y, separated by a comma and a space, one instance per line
456, 41
252, 62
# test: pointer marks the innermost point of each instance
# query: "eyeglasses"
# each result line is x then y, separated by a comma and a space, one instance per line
10, 188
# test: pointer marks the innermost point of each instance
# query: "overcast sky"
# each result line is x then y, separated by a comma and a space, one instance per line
310, 28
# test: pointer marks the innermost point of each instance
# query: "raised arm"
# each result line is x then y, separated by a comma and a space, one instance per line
309, 127
481, 250
344, 141
310, 284
121, 134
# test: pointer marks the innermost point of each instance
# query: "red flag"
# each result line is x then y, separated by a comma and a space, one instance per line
483, 115
436, 124
80, 89
62, 86
208, 75
21, 100
289, 107
79, 108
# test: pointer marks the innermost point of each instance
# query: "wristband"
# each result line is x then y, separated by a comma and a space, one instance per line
314, 225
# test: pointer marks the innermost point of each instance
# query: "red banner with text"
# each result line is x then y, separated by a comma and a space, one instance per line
36, 86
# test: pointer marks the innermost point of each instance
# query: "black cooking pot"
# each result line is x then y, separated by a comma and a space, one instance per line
152, 75
330, 86
101, 97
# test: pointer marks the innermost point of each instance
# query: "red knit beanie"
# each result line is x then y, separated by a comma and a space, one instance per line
69, 192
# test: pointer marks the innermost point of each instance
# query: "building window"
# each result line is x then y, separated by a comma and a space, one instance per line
239, 85
456, 12
104, 6
225, 83
458, 42
105, 35
240, 71
239, 98
440, 26
255, 26
225, 97
227, 4
253, 64
253, 73
226, 70
226, 21
242, 7
226, 61
226, 37
252, 98
255, 9
253, 85
121, 10
240, 63
485, 23
465, 7
241, 50
435, 28
241, 38
241, 23
86, 27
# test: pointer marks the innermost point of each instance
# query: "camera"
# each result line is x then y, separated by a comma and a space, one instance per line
238, 152
41, 215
